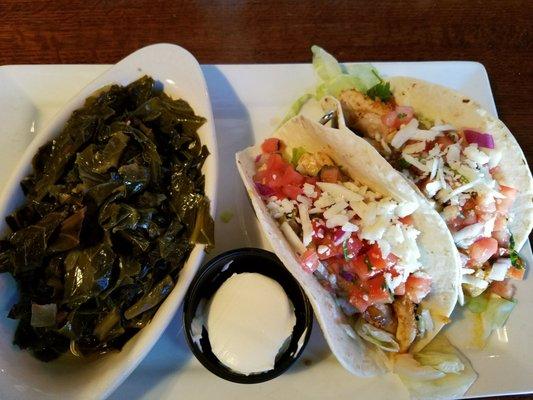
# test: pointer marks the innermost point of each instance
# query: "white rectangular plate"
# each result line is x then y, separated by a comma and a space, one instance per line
248, 102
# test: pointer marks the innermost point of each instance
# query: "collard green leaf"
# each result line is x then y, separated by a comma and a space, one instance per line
87, 273
155, 296
69, 232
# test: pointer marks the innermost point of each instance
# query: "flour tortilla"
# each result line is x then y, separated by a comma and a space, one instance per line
364, 164
438, 102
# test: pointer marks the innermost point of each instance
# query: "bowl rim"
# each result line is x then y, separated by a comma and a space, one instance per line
143, 61
193, 298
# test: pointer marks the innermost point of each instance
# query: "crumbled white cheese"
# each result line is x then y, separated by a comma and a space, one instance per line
305, 200
349, 227
475, 155
406, 208
309, 191
495, 156
453, 154
416, 163
405, 133
336, 220
339, 191
335, 209
307, 228
325, 200
385, 247
414, 148
466, 236
432, 188
279, 208
375, 231
499, 269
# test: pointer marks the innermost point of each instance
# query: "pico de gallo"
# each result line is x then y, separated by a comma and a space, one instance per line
458, 169
359, 244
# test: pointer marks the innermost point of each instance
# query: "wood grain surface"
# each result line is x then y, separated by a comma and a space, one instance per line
496, 33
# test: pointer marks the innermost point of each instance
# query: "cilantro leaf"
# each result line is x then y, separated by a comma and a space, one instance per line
516, 261
381, 91
403, 164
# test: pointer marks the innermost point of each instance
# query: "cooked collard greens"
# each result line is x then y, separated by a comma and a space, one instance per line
114, 205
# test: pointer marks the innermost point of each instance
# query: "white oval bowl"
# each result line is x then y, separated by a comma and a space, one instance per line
21, 375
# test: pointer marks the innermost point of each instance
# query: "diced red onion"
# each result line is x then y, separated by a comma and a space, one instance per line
481, 139
347, 276
264, 190
257, 158
340, 236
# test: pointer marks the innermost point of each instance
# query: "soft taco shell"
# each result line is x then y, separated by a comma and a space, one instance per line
364, 164
438, 102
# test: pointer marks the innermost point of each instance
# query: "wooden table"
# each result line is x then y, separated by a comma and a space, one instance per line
494, 32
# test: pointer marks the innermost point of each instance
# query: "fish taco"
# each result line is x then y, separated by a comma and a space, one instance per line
466, 162
375, 259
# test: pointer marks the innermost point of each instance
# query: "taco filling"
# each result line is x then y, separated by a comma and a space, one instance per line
359, 244
458, 169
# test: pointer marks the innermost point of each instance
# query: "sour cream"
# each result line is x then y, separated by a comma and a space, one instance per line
249, 320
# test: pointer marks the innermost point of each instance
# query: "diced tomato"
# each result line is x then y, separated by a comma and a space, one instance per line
358, 297
353, 246
312, 180
378, 292
503, 289
291, 177
484, 208
361, 266
469, 205
333, 250
482, 249
400, 116
417, 287
330, 173
270, 145
516, 273
503, 205
291, 191
319, 230
469, 218
407, 220
404, 114
276, 163
309, 260
456, 224
261, 160
400, 289
502, 237
444, 141
376, 258
500, 223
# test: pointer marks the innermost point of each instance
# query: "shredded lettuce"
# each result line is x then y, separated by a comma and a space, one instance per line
477, 304
383, 340
325, 65
368, 75
296, 107
439, 371
297, 152
495, 315
336, 78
